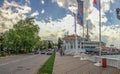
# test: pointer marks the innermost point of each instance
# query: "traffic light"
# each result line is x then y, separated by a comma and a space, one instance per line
118, 13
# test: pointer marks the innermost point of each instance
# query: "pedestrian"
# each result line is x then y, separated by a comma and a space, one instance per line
61, 52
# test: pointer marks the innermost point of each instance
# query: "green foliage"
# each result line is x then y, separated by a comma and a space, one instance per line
1, 41
45, 44
60, 42
50, 44
2, 53
23, 36
47, 68
38, 45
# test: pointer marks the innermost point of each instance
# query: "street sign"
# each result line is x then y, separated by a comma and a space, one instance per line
118, 13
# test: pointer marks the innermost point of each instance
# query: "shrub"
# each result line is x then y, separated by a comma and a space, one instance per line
2, 53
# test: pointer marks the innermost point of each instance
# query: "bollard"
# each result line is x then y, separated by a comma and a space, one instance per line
104, 62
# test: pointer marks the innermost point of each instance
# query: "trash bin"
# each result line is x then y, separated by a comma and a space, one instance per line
104, 62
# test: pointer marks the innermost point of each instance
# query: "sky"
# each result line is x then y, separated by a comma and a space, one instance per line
55, 18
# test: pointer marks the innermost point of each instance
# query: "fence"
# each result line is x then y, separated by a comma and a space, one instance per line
110, 61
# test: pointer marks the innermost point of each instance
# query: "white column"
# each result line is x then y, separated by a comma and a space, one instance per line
66, 46
80, 46
77, 54
69, 46
73, 43
76, 44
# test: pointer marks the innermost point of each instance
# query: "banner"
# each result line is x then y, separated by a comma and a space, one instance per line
118, 13
80, 12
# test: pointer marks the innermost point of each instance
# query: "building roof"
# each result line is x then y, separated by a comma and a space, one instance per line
73, 36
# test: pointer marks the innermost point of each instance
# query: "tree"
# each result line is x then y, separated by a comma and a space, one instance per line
60, 42
23, 36
44, 44
50, 44
38, 45
1, 41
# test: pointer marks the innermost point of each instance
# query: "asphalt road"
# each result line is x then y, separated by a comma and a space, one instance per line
22, 64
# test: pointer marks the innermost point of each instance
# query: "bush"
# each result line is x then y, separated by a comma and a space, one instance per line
2, 53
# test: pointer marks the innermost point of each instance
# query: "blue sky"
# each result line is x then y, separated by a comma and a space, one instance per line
51, 10
55, 17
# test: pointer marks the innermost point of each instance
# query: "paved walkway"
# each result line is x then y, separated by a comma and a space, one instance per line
71, 65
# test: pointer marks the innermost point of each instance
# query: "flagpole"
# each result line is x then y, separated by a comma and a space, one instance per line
76, 41
84, 16
99, 9
75, 22
100, 27
80, 20
83, 39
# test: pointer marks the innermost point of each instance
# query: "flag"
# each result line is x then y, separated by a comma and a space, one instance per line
80, 12
96, 4
118, 13
75, 21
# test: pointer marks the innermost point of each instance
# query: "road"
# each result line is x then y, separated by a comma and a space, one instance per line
22, 64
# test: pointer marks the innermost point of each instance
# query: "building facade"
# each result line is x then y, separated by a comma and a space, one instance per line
74, 43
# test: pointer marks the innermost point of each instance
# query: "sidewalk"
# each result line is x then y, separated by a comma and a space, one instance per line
71, 65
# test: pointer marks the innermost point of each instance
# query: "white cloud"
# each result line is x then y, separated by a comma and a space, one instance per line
66, 4
43, 11
112, 34
28, 1
56, 28
36, 13
42, 1
24, 9
8, 16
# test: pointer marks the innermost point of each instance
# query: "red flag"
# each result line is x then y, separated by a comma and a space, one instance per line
94, 1
96, 4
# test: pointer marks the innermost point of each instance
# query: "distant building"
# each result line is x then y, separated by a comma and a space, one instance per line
108, 50
83, 44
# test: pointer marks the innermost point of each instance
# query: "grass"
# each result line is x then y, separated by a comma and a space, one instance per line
47, 68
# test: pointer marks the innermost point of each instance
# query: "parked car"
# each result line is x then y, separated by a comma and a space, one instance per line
49, 52
43, 52
36, 52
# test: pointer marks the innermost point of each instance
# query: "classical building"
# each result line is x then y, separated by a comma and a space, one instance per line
71, 42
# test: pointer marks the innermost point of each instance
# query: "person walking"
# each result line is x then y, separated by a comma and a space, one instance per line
61, 52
